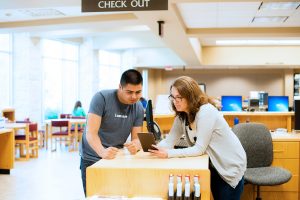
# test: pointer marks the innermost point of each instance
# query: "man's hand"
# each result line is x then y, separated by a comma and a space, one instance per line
109, 153
132, 147
160, 152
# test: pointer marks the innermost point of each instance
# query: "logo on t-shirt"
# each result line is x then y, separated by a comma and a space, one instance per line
121, 116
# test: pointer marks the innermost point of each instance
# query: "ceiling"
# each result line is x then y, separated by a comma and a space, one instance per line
189, 24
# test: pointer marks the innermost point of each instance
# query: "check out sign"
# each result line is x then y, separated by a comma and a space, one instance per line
122, 5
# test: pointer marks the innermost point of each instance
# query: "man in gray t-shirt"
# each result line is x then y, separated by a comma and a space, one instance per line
112, 117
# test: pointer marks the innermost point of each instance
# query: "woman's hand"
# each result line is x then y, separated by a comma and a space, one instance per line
160, 152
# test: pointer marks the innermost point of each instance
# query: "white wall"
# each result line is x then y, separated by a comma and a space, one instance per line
27, 78
227, 81
88, 73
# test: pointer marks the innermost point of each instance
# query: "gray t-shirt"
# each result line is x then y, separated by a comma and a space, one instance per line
117, 121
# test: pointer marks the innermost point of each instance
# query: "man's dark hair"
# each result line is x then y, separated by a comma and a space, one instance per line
131, 76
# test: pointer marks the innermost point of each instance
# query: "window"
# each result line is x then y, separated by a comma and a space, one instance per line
109, 69
5, 73
60, 71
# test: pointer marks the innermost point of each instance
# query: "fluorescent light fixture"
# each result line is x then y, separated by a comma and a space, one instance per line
257, 42
279, 5
269, 19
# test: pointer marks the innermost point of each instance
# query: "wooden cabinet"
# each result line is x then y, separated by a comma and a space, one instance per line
7, 150
144, 175
9, 113
286, 150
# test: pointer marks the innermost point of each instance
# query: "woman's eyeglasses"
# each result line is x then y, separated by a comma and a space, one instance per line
177, 99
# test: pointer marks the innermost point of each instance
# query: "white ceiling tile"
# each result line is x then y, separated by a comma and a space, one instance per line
243, 21
231, 14
202, 22
236, 6
197, 7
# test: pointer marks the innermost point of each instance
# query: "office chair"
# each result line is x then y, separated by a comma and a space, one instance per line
257, 141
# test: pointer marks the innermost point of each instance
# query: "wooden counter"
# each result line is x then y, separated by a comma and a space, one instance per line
143, 175
7, 150
272, 120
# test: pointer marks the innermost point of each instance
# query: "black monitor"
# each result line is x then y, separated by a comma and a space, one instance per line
151, 125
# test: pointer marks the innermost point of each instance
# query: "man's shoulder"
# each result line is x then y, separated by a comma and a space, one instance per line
107, 92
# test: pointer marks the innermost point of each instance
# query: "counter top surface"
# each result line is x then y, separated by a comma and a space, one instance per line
285, 136
5, 130
144, 160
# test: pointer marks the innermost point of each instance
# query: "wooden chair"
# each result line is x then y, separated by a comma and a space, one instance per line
61, 130
80, 128
28, 142
42, 138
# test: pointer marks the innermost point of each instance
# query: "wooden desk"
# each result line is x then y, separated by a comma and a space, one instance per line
7, 150
286, 149
164, 121
272, 120
74, 122
143, 175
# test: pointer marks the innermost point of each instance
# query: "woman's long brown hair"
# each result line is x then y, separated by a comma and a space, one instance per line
189, 89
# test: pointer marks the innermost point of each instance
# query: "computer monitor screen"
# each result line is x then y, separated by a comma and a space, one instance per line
151, 125
278, 103
231, 103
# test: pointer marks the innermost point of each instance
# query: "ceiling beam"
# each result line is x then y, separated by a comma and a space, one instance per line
244, 32
68, 20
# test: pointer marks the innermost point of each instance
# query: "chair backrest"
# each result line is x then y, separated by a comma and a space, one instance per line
33, 127
257, 141
60, 123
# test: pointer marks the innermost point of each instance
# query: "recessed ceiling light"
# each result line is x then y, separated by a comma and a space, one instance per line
257, 42
279, 5
269, 19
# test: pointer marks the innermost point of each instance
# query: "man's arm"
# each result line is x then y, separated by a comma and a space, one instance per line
134, 146
93, 125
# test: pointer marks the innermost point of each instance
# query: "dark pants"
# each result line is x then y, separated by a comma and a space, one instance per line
222, 190
83, 165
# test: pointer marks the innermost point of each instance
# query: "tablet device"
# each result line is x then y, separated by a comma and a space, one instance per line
146, 140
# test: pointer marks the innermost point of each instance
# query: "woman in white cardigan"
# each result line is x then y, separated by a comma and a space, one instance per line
206, 131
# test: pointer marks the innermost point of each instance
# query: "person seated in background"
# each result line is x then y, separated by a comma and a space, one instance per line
78, 110
144, 102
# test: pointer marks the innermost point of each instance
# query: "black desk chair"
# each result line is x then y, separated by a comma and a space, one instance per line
257, 142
